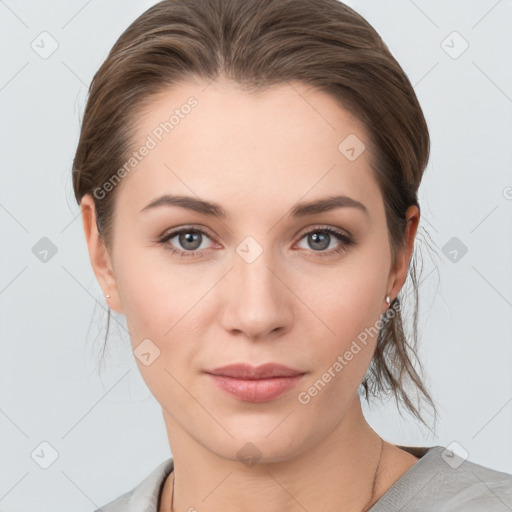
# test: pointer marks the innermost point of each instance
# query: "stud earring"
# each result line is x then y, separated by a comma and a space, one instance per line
107, 296
388, 300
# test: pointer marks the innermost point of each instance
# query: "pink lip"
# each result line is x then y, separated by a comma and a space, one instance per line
255, 384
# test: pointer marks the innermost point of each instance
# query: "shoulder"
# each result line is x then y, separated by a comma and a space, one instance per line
145, 496
441, 481
471, 487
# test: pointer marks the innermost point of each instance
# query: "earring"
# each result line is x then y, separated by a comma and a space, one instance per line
388, 300
107, 296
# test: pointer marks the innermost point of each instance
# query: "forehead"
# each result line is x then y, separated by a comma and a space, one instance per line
217, 140
291, 109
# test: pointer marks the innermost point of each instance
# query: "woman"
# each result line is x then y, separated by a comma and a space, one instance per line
247, 174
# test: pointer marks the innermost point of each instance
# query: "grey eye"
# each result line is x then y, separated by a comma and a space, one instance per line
189, 239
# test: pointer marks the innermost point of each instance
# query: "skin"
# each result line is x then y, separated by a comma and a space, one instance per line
256, 155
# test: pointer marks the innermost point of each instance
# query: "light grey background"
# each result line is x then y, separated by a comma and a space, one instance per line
105, 429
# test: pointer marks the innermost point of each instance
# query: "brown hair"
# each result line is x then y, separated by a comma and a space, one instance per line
322, 43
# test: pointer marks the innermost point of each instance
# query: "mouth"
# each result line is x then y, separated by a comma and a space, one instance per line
255, 384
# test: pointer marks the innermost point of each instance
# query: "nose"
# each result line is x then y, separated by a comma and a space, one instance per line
258, 304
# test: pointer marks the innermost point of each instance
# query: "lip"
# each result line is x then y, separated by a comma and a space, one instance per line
255, 383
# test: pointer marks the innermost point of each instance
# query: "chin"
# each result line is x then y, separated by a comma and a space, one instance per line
264, 441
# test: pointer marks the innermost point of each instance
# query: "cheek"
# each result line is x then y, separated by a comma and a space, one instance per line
354, 299
168, 312
151, 297
351, 307
158, 303
341, 360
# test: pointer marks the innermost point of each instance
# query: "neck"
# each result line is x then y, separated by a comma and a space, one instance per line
340, 473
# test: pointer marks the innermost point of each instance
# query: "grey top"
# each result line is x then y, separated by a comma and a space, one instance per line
439, 481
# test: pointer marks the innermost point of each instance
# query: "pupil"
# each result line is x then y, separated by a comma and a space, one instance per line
322, 237
189, 237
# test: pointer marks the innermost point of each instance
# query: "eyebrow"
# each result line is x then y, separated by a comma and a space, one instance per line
303, 209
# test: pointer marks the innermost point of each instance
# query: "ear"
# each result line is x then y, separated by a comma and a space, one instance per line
99, 255
398, 274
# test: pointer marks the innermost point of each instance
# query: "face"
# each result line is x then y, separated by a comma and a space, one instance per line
270, 281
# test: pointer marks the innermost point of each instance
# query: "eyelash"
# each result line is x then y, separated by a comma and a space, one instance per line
345, 245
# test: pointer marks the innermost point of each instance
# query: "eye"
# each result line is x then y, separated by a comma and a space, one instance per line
190, 239
321, 238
